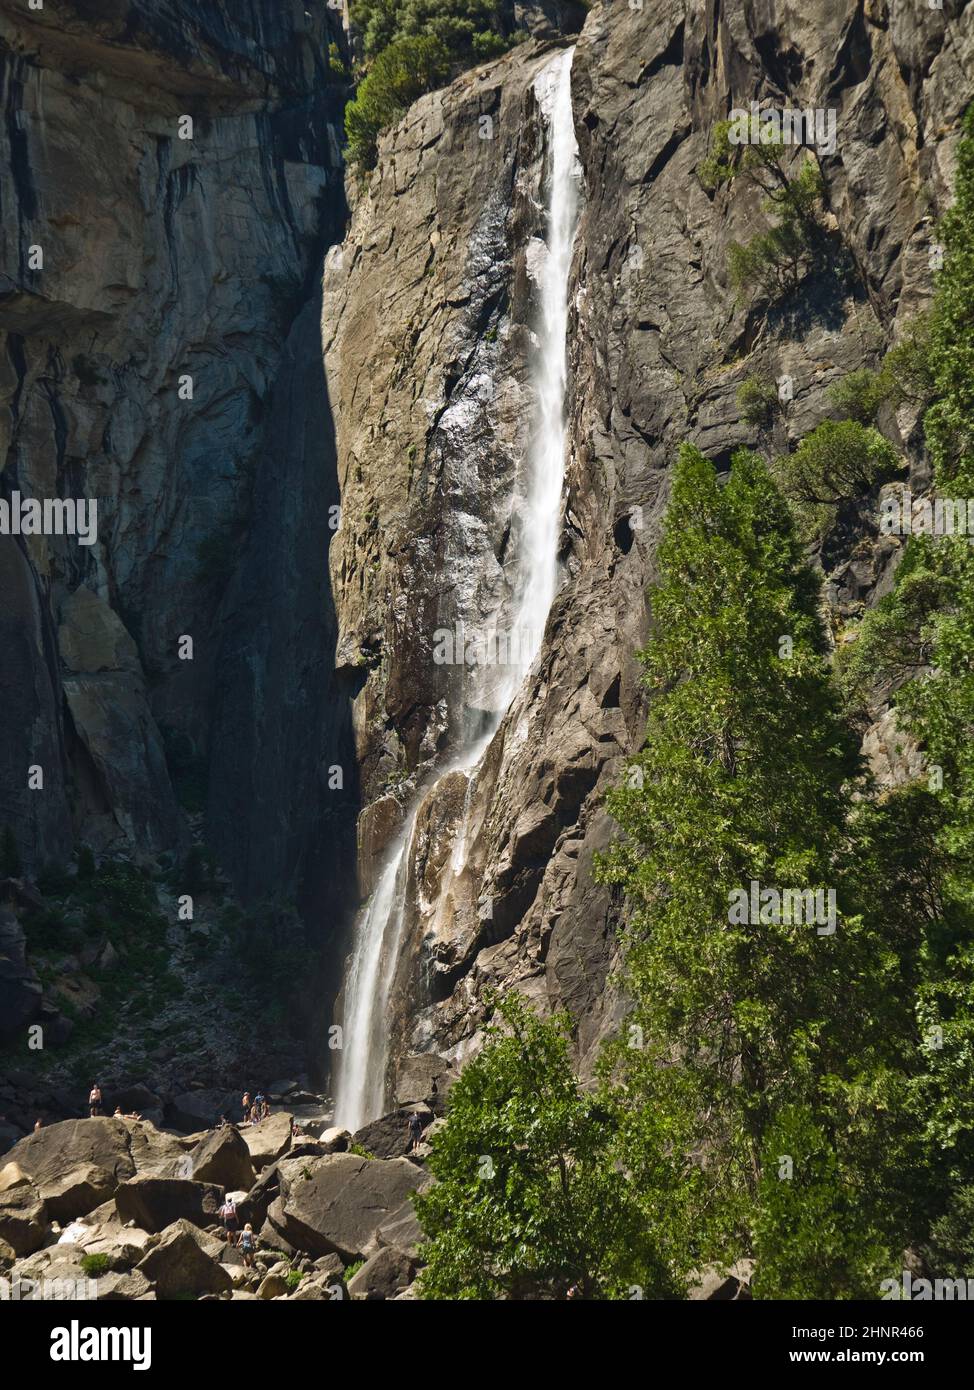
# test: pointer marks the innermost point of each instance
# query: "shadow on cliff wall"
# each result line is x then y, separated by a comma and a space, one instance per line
283, 790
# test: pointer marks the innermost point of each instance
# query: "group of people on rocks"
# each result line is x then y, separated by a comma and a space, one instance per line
255, 1110
245, 1241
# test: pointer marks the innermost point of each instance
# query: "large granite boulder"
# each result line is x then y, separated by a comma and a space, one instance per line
182, 1263
24, 1220
155, 1203
389, 1137
336, 1203
223, 1158
268, 1140
384, 1275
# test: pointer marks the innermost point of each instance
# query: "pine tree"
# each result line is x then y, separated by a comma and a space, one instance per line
743, 778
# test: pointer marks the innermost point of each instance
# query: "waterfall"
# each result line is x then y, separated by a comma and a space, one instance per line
360, 1092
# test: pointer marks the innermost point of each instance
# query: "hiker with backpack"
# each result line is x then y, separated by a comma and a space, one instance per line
231, 1223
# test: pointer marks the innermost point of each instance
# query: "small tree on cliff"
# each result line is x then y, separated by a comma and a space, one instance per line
528, 1202
737, 1022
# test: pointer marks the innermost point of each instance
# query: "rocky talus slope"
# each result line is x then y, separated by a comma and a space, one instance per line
117, 1209
427, 329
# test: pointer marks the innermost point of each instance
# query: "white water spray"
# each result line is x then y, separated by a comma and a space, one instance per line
360, 1093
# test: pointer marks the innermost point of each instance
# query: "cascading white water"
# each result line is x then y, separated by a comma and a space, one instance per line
360, 1092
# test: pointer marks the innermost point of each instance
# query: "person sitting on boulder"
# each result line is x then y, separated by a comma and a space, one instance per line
231, 1223
38, 1124
247, 1245
415, 1130
224, 1123
254, 1115
94, 1100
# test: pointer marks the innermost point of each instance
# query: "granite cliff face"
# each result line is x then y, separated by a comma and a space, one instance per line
388, 374
171, 176
427, 328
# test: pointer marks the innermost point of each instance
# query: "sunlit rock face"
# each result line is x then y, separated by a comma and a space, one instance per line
429, 326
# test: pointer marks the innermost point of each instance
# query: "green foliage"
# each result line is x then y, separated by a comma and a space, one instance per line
528, 1201
402, 72
812, 1236
337, 71
468, 30
95, 1265
757, 400
859, 395
837, 461
741, 779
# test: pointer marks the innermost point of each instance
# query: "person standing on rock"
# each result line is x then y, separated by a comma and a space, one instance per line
228, 1214
415, 1131
247, 1244
246, 1106
94, 1100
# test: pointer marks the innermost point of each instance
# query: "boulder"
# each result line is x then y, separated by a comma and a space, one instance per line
224, 1158
116, 1286
180, 1264
384, 1275
61, 1159
401, 1229
335, 1140
268, 1140
155, 1203
388, 1137
425, 1078
123, 1246
79, 1191
273, 1286
319, 1288
336, 1203
23, 1218
713, 1286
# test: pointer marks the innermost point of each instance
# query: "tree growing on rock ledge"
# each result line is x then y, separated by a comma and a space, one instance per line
528, 1202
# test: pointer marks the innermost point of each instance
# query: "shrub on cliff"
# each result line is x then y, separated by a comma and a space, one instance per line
401, 73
